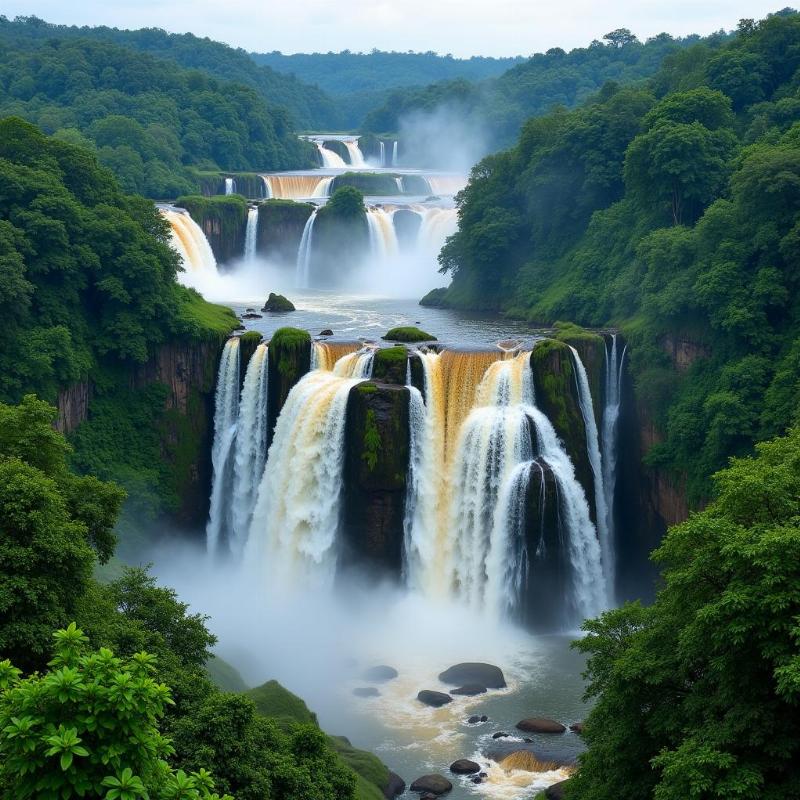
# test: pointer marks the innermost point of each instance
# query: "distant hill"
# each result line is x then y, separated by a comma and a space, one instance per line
308, 106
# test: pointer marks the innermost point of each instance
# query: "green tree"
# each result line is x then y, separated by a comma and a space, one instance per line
89, 727
697, 695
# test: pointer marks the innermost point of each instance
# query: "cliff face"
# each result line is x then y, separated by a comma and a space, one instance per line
73, 406
280, 229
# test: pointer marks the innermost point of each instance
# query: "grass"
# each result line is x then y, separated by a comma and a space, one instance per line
199, 319
273, 700
224, 676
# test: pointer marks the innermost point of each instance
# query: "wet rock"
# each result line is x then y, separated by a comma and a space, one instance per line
499, 735
476, 779
326, 332
380, 674
277, 303
432, 785
556, 791
435, 699
366, 691
475, 673
483, 774
464, 767
577, 727
527, 740
394, 787
540, 725
473, 720
484, 718
470, 690
251, 315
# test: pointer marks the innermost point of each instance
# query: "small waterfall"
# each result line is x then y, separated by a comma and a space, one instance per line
189, 241
613, 390
226, 413
356, 365
267, 187
251, 235
382, 236
230, 186
325, 355
437, 225
330, 160
251, 445
446, 184
596, 463
383, 153
394, 154
296, 518
303, 266
323, 188
399, 182
356, 156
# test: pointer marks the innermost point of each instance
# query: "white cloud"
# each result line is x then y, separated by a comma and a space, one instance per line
461, 27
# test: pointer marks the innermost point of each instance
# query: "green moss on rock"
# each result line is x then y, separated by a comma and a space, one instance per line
280, 229
390, 365
278, 303
591, 348
288, 360
408, 334
223, 220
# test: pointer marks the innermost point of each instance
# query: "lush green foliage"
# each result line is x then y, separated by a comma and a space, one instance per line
146, 119
52, 526
499, 106
670, 210
89, 726
697, 695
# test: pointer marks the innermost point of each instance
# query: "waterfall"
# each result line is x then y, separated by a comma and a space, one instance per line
394, 154
230, 186
323, 188
613, 391
595, 461
446, 184
267, 187
382, 236
296, 518
326, 355
383, 153
251, 235
437, 225
303, 266
356, 156
189, 241
356, 365
330, 160
251, 445
399, 182
226, 412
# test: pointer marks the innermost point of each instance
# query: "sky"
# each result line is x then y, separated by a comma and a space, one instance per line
460, 27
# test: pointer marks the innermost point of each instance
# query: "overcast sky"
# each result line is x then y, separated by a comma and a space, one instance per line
460, 27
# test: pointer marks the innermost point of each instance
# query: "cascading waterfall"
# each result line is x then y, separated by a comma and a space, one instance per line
447, 184
323, 188
326, 355
296, 518
382, 153
613, 391
251, 235
230, 186
250, 452
267, 187
330, 160
394, 154
189, 241
596, 463
437, 225
356, 156
399, 182
303, 266
297, 187
226, 414
382, 235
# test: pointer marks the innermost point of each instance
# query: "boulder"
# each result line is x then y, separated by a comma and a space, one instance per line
464, 767
473, 720
251, 315
395, 786
431, 784
277, 303
435, 699
577, 727
499, 735
475, 673
540, 725
484, 718
366, 691
408, 334
556, 791
380, 674
326, 332
470, 690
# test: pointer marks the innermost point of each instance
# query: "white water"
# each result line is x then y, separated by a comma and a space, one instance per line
356, 156
267, 187
382, 237
323, 188
394, 154
330, 160
189, 241
292, 540
437, 225
251, 445
230, 185
356, 365
303, 266
251, 235
609, 445
382, 153
596, 463
226, 413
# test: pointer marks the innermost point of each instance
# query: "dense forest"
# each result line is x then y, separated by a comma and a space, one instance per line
533, 87
670, 210
151, 122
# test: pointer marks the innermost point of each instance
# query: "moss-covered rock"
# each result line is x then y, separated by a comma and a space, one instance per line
278, 303
436, 298
390, 365
339, 148
416, 185
341, 237
408, 334
591, 348
288, 360
223, 220
376, 466
557, 396
369, 183
248, 342
280, 229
